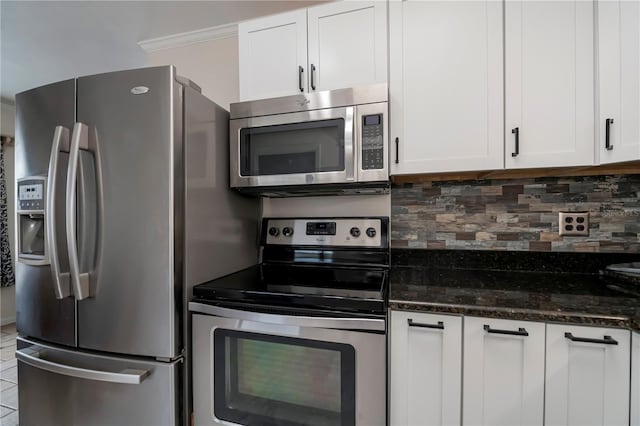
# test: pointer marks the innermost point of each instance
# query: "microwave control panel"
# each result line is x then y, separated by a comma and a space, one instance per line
372, 142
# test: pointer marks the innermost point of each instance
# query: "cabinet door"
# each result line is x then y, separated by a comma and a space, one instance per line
549, 79
347, 44
503, 372
635, 379
446, 86
587, 376
425, 369
619, 80
273, 56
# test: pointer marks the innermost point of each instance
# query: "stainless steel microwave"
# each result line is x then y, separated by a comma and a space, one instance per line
332, 141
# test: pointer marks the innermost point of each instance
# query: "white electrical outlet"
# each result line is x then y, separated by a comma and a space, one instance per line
574, 224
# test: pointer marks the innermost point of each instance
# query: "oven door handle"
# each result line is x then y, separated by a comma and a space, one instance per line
291, 320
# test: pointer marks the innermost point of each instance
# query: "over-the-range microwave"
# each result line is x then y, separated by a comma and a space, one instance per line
323, 142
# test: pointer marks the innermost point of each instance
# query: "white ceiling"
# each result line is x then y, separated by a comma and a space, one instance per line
46, 41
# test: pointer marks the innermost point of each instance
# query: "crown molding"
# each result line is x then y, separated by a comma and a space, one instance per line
190, 37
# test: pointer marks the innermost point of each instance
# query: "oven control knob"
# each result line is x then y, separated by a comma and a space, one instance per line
371, 232
355, 232
287, 232
273, 231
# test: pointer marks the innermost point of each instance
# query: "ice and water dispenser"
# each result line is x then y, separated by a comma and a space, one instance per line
32, 243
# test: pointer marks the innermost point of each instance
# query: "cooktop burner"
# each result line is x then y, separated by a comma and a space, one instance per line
326, 264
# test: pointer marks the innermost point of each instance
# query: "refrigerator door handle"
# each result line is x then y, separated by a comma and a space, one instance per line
61, 283
127, 376
80, 281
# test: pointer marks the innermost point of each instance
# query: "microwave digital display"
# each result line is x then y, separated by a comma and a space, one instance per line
372, 120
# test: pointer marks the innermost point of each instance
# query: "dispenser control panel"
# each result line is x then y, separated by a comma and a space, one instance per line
32, 241
31, 194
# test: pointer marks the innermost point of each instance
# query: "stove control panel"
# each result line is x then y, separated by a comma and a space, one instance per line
344, 232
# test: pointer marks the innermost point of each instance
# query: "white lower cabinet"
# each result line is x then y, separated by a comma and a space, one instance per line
587, 376
425, 369
635, 379
500, 372
503, 372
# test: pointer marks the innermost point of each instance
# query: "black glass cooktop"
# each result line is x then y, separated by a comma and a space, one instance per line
336, 288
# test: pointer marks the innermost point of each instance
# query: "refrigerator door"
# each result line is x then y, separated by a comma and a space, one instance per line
39, 313
134, 132
62, 387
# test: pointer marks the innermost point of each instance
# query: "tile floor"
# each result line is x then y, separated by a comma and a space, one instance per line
8, 376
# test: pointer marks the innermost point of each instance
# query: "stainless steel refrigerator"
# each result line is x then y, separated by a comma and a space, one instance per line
123, 204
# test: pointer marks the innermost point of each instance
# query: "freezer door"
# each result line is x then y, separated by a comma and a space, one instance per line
39, 313
64, 387
133, 123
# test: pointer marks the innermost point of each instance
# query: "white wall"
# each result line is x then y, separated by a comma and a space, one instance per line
212, 64
328, 206
8, 295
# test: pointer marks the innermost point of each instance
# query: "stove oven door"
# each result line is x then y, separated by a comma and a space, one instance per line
253, 368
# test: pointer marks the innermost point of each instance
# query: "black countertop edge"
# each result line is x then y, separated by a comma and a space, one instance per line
573, 318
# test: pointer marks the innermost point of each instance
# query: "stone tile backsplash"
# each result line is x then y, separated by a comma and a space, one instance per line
518, 214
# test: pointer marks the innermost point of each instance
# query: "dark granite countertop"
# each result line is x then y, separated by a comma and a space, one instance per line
553, 287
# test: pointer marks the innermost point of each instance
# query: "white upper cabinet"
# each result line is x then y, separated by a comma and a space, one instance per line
619, 81
549, 83
446, 86
273, 56
503, 372
347, 44
587, 376
347, 47
425, 369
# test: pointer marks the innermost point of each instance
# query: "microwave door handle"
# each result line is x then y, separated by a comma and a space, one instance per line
61, 282
350, 144
80, 282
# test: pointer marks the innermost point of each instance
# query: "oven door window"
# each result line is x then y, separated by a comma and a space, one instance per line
309, 147
262, 379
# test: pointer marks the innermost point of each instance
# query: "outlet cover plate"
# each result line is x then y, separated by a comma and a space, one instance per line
574, 224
